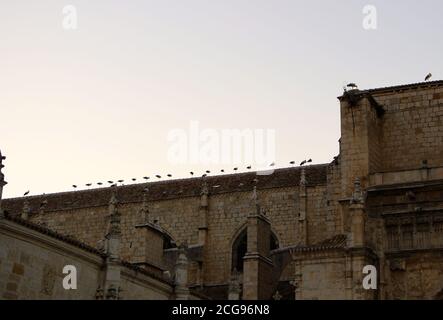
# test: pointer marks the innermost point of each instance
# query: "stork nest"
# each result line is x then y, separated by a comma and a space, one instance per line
353, 97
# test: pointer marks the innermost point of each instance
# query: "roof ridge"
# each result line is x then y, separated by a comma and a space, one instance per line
401, 87
171, 189
171, 181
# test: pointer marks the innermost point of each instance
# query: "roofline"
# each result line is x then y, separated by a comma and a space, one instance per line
80, 245
55, 235
403, 87
166, 182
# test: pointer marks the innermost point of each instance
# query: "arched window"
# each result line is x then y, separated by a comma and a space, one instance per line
240, 247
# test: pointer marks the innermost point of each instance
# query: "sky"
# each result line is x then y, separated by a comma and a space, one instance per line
100, 102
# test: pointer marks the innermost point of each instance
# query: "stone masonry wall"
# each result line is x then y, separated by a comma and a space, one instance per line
32, 270
416, 276
31, 267
323, 279
227, 217
412, 128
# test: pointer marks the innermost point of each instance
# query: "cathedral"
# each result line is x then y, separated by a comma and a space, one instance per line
300, 233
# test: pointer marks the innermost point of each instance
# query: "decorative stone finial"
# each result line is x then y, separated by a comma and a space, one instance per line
254, 195
113, 237
357, 195
204, 194
302, 177
277, 296
256, 201
2, 157
2, 182
43, 205
205, 189
114, 214
99, 294
112, 292
26, 210
113, 201
144, 210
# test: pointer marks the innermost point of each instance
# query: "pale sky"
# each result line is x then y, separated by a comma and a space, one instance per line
97, 103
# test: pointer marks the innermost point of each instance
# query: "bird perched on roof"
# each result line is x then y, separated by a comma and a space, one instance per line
204, 175
26, 193
428, 76
305, 162
352, 85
